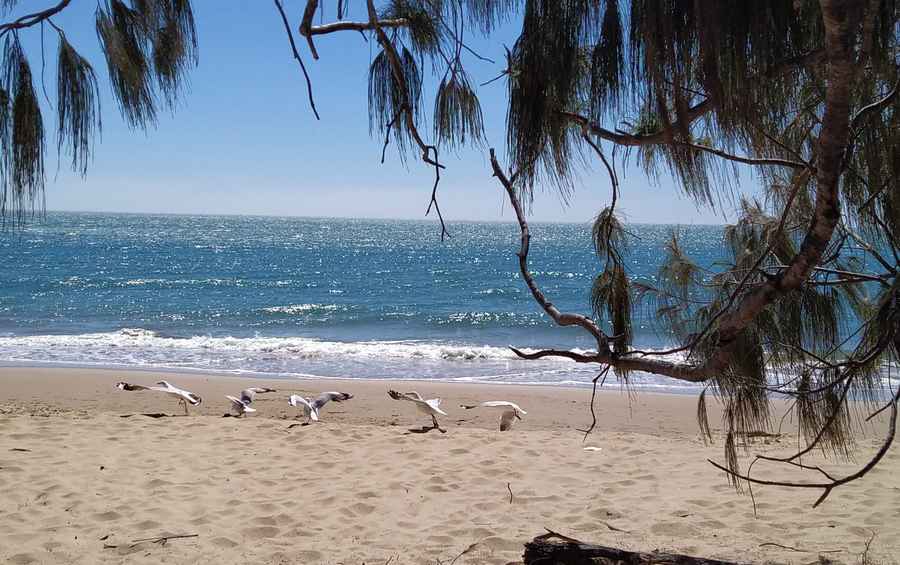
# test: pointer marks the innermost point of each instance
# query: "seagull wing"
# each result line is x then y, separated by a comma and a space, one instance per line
297, 400
248, 395
191, 397
239, 404
503, 404
325, 397
435, 404
411, 396
308, 408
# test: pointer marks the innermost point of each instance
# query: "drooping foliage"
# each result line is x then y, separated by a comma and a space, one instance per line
78, 105
23, 135
149, 47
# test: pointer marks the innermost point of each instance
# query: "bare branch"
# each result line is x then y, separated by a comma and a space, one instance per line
290, 34
577, 357
306, 24
29, 20
878, 104
681, 371
563, 319
745, 160
622, 138
332, 27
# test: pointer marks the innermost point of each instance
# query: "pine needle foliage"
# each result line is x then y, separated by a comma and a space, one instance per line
149, 46
390, 97
124, 39
457, 112
24, 155
78, 106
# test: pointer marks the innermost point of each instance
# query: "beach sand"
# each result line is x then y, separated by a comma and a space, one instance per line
358, 487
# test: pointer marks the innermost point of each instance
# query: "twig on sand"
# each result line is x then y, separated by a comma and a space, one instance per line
510, 493
551, 534
613, 528
797, 549
20, 449
161, 540
465, 551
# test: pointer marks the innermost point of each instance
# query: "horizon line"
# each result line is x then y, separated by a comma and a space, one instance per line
363, 218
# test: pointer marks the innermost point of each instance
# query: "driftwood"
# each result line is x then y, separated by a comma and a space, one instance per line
161, 540
553, 548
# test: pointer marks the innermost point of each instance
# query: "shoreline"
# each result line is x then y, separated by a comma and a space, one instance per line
651, 388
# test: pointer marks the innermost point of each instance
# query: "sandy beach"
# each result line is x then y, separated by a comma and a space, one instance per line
78, 477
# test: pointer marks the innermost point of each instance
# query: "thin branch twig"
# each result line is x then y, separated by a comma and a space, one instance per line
290, 34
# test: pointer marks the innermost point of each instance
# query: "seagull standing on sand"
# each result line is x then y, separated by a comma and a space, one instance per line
512, 411
184, 396
430, 406
311, 407
241, 405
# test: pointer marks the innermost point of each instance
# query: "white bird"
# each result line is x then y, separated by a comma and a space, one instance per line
508, 418
311, 407
430, 407
184, 396
248, 395
241, 405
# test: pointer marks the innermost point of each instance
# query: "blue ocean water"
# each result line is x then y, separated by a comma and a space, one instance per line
303, 297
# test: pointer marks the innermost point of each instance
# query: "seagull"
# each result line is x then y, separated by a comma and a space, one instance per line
508, 418
430, 406
241, 405
248, 395
184, 396
311, 407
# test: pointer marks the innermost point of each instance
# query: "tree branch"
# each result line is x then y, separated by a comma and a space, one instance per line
29, 20
290, 34
622, 138
354, 26
681, 371
745, 160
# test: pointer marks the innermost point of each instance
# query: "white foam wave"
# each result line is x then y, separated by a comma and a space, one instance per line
134, 339
302, 308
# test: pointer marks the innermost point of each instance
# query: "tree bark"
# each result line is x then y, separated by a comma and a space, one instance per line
553, 549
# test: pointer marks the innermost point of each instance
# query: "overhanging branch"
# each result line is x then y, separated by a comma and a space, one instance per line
29, 20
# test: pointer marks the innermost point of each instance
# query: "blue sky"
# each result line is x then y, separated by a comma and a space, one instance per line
244, 141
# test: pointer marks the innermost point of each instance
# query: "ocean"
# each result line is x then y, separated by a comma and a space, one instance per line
304, 297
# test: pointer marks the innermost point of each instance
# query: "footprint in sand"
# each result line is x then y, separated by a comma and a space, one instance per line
260, 532
675, 529
106, 516
224, 543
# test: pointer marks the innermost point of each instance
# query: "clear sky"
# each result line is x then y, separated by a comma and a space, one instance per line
244, 140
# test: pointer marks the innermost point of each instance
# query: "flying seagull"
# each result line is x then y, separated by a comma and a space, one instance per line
248, 395
430, 406
184, 396
511, 412
311, 407
241, 405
